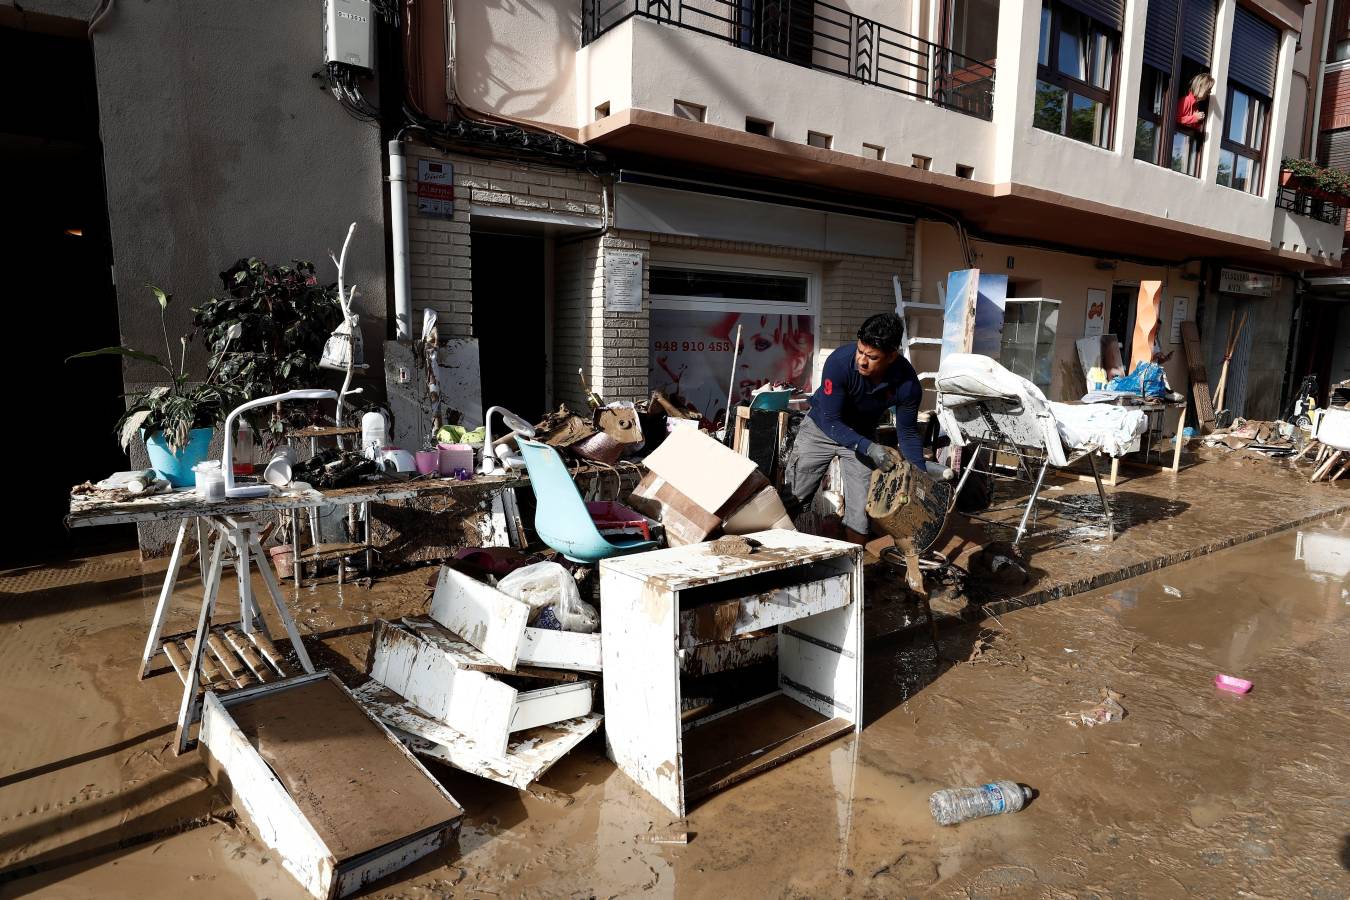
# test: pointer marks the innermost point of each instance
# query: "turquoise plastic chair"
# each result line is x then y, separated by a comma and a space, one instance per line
561, 518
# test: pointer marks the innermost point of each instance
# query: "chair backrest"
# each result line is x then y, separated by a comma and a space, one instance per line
560, 513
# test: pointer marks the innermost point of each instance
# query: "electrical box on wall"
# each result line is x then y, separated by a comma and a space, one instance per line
348, 33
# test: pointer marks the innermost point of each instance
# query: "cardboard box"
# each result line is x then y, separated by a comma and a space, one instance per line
701, 469
763, 512
684, 521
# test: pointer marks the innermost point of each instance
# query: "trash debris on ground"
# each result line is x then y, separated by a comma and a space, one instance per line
1232, 684
1103, 712
1171, 591
952, 806
664, 837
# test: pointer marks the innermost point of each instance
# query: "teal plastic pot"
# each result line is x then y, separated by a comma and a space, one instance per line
177, 467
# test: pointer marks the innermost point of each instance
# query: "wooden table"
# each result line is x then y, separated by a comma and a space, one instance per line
243, 648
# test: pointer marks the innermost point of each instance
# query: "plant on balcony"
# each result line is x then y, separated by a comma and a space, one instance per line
1322, 182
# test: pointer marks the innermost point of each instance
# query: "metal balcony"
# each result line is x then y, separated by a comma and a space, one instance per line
1305, 204
818, 36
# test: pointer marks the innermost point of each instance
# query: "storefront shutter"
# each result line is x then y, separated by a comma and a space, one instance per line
1256, 53
1160, 34
1110, 13
1197, 30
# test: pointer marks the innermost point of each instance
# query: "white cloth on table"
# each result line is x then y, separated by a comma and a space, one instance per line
965, 378
1111, 428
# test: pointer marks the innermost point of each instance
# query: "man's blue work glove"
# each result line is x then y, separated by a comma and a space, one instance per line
882, 458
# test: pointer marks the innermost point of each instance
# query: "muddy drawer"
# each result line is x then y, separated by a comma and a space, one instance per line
718, 612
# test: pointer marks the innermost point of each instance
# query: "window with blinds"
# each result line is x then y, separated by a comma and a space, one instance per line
1077, 68
1253, 63
1173, 99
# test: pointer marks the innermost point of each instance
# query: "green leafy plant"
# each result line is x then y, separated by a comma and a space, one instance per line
266, 334
1300, 168
174, 408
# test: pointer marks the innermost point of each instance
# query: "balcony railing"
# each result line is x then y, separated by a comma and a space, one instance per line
1305, 204
819, 36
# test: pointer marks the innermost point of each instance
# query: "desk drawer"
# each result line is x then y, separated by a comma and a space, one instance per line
707, 615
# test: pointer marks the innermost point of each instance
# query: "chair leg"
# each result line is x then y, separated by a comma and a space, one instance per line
1106, 504
1031, 502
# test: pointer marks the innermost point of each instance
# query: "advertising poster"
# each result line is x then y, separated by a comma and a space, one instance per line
1096, 314
692, 353
967, 291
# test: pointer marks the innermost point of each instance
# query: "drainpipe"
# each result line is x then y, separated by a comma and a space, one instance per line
398, 214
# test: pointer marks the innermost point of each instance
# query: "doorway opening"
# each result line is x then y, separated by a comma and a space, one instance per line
510, 312
56, 228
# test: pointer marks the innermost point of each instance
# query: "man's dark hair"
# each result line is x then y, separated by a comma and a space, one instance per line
883, 331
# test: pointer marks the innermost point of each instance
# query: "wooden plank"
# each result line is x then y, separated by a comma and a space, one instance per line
480, 614
248, 654
234, 668
528, 755
214, 675
269, 652
178, 659
1195, 361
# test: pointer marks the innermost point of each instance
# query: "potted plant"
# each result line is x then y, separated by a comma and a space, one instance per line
266, 334
1298, 172
175, 419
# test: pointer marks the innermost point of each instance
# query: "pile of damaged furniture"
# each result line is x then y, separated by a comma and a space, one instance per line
736, 647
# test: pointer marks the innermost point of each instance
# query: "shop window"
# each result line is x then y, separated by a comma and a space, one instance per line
695, 312
1076, 75
1242, 150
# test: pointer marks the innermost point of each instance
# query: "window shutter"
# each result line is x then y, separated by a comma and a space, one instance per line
1335, 149
1197, 30
1160, 34
1256, 52
1110, 13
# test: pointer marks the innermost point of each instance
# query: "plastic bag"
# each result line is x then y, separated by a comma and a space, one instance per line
1147, 380
547, 585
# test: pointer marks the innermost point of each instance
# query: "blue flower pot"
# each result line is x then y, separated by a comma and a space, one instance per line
177, 467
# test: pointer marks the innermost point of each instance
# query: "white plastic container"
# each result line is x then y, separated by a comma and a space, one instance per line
374, 434
210, 481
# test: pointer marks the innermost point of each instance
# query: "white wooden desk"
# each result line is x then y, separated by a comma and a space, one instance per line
660, 606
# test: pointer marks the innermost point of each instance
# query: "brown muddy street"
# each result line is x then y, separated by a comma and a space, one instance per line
1195, 792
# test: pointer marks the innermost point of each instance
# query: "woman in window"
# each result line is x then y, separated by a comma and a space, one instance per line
1189, 112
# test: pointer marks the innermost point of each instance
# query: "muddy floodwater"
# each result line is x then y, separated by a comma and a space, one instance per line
1195, 792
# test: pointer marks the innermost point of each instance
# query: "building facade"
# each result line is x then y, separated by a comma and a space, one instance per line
794, 167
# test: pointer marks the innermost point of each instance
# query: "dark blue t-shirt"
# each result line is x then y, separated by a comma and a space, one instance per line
847, 407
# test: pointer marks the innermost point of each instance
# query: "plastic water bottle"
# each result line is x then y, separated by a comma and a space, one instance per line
952, 806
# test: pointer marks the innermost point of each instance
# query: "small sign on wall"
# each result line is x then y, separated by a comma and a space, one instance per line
1096, 313
1181, 308
435, 189
623, 281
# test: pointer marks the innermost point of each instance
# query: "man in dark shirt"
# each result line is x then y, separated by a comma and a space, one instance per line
859, 383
